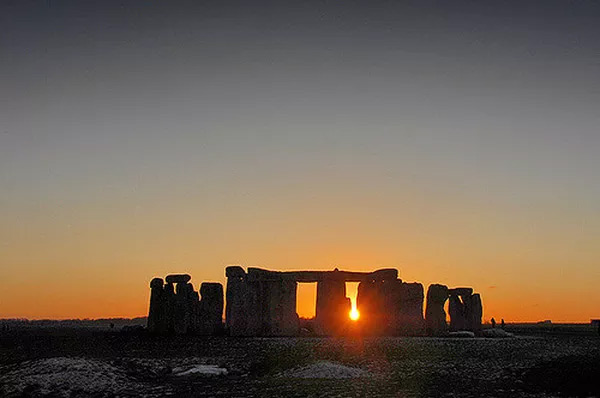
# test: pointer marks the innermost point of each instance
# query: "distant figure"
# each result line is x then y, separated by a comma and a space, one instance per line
502, 324
112, 325
493, 323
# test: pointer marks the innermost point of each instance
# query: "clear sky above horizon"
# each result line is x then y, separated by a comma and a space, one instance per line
456, 141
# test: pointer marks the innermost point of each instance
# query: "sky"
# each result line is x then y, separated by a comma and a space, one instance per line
455, 141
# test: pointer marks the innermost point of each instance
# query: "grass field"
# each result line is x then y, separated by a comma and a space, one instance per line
74, 362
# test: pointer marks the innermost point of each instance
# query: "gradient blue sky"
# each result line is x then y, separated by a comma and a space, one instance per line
456, 141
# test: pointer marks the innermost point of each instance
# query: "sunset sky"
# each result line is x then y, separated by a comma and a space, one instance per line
456, 141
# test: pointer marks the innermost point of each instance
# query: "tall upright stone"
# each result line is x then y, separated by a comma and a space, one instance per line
195, 316
379, 301
238, 308
279, 317
156, 321
435, 315
456, 308
369, 303
411, 320
332, 307
211, 308
474, 313
169, 308
182, 311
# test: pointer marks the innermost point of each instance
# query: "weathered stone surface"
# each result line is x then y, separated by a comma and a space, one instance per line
183, 309
243, 312
456, 308
235, 271
411, 320
279, 316
211, 309
263, 303
386, 274
258, 274
156, 282
178, 278
461, 291
435, 316
474, 313
169, 306
194, 309
155, 313
332, 307
235, 317
370, 303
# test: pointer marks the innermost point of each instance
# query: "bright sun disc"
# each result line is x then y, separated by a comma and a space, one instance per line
354, 314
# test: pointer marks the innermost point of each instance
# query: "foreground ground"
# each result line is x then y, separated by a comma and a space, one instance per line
80, 362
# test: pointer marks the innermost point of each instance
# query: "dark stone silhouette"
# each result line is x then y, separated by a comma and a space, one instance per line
474, 313
456, 308
390, 306
156, 320
465, 310
176, 308
210, 309
435, 315
263, 303
411, 309
332, 306
178, 278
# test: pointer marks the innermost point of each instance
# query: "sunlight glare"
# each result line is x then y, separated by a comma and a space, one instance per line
354, 314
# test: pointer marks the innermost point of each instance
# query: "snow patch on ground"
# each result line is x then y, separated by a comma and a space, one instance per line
209, 370
324, 370
496, 333
461, 334
64, 377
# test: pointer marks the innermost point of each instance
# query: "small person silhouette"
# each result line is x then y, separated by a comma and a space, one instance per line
502, 323
493, 323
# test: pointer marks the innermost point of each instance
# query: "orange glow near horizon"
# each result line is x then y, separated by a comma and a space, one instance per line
130, 293
352, 293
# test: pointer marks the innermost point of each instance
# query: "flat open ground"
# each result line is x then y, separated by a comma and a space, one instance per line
82, 362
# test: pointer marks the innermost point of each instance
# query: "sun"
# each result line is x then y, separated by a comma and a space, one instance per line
354, 314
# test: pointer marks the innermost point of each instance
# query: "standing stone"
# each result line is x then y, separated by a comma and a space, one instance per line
378, 302
369, 303
411, 320
211, 308
155, 313
235, 309
435, 316
456, 308
279, 316
390, 315
169, 308
194, 312
244, 305
474, 313
332, 307
182, 307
